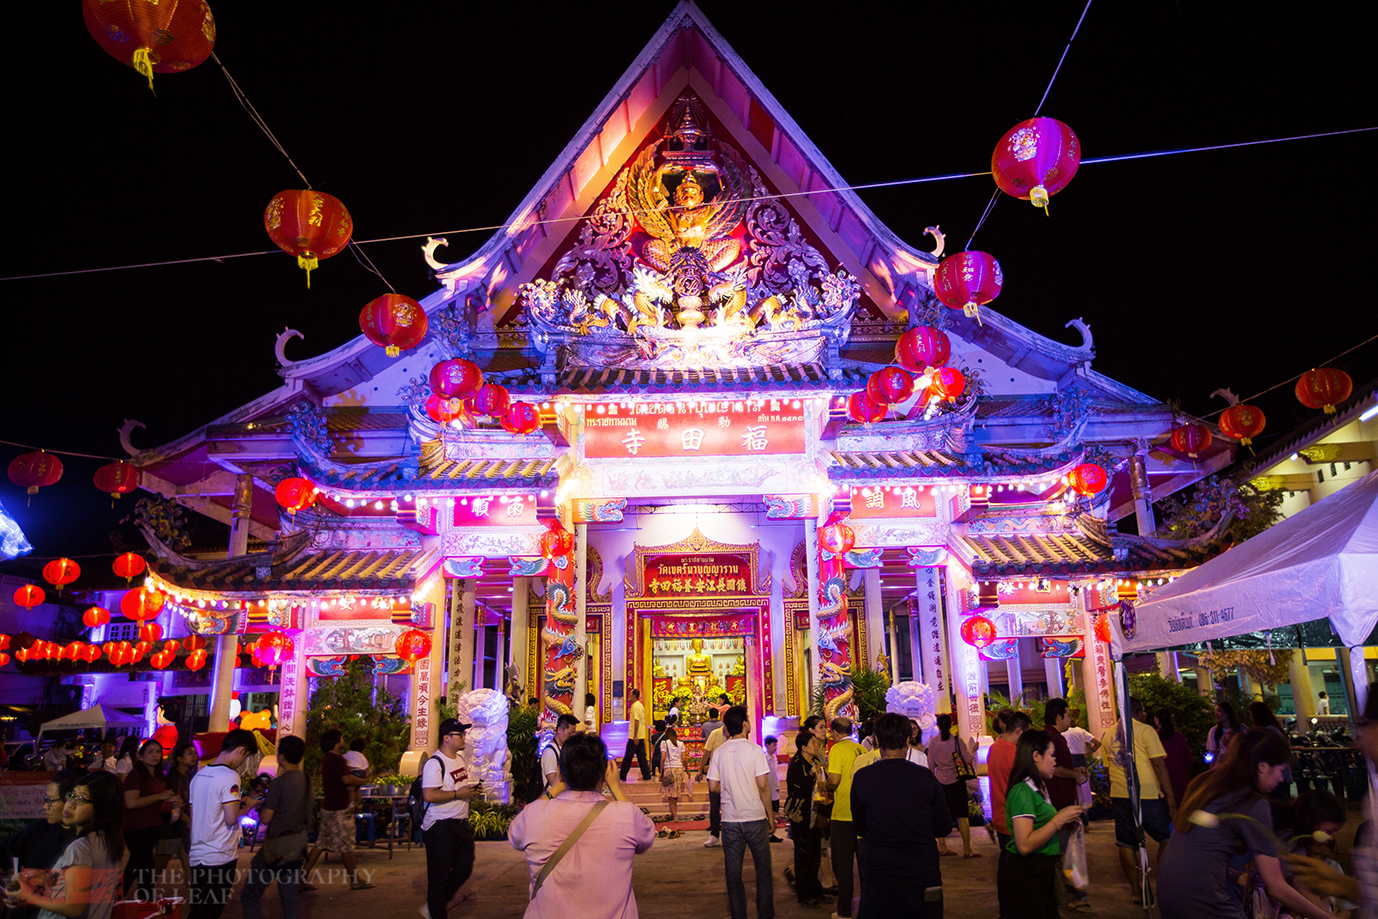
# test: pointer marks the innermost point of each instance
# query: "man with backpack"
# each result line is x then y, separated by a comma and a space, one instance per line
447, 790
565, 728
286, 810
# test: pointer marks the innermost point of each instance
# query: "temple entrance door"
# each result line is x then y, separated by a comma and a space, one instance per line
696, 658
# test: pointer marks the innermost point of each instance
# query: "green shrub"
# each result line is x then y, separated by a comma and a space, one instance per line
490, 821
353, 704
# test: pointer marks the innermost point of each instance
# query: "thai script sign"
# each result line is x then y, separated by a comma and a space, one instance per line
708, 575
749, 427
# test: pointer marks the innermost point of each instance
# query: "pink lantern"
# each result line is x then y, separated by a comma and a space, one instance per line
521, 418
456, 379
491, 399
1035, 160
273, 648
863, 411
921, 348
967, 281
949, 383
889, 386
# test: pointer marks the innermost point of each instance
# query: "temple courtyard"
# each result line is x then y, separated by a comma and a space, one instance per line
676, 877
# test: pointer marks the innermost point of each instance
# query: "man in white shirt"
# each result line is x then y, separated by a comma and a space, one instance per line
55, 759
447, 789
565, 728
216, 806
1083, 745
637, 735
738, 773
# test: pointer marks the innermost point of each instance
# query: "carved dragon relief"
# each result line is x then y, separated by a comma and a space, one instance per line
688, 261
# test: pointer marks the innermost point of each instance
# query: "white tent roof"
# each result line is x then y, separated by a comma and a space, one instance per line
1321, 563
97, 716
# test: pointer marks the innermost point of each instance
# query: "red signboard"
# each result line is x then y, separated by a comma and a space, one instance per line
708, 575
712, 428
353, 609
495, 510
1039, 590
892, 501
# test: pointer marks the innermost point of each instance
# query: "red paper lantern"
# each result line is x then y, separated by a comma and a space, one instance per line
295, 494
1243, 423
90, 654
837, 539
141, 604
108, 648
491, 399
4, 658
196, 643
196, 659
150, 632
921, 348
412, 645
978, 631
32, 471
395, 322
556, 542
129, 566
1324, 388
4, 642
1087, 479
61, 572
443, 410
152, 37
863, 411
161, 660
308, 224
117, 478
1102, 628
968, 280
949, 383
273, 648
171, 647
95, 617
889, 386
521, 418
1191, 439
29, 596
456, 379
142, 647
1035, 160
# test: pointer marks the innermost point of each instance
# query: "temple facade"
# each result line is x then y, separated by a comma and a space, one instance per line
689, 298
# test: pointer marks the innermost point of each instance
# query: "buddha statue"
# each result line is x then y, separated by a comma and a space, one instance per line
698, 663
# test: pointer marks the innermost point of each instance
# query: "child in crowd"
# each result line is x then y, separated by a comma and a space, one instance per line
358, 766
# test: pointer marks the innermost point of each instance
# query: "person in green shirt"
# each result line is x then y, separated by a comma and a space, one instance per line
1028, 882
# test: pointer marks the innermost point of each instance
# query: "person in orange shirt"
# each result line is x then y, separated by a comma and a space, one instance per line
999, 763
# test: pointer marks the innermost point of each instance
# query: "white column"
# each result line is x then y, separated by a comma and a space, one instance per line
581, 635
500, 654
916, 658
928, 630
1143, 494
1015, 670
875, 616
480, 643
966, 668
1052, 669
227, 646
1358, 678
1303, 698
894, 651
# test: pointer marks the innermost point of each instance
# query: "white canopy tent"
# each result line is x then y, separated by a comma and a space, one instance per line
1319, 564
97, 716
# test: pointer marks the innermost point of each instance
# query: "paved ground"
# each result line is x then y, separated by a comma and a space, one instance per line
675, 878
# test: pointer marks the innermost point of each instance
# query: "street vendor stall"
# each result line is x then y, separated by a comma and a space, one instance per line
97, 717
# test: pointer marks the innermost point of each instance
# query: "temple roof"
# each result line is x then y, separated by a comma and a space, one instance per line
439, 472
911, 463
594, 381
295, 568
1074, 553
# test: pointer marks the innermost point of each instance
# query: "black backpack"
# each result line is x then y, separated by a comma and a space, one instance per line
416, 803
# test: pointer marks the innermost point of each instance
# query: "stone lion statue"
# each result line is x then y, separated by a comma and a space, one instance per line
486, 710
916, 701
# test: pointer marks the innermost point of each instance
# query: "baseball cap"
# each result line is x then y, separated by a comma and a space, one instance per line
453, 725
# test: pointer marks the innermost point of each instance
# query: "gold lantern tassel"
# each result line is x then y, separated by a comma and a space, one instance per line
308, 263
973, 311
393, 350
143, 63
1038, 196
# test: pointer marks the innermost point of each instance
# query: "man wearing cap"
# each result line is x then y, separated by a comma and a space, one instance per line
446, 789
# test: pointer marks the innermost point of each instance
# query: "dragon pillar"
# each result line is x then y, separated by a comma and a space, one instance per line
561, 650
834, 639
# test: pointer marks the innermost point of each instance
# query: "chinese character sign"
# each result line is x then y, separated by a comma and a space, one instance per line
288, 703
898, 501
494, 510
421, 711
715, 575
675, 429
929, 624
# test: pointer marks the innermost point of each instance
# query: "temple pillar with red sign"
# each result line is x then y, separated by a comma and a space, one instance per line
562, 655
1095, 674
581, 637
227, 645
966, 664
930, 650
834, 637
521, 622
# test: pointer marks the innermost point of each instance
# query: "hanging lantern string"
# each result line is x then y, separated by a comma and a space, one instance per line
10, 443
362, 258
1295, 377
256, 117
893, 183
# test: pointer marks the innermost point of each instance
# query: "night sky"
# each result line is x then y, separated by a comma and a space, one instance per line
1236, 268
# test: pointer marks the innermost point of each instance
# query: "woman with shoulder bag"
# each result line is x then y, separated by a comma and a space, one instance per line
674, 781
953, 763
